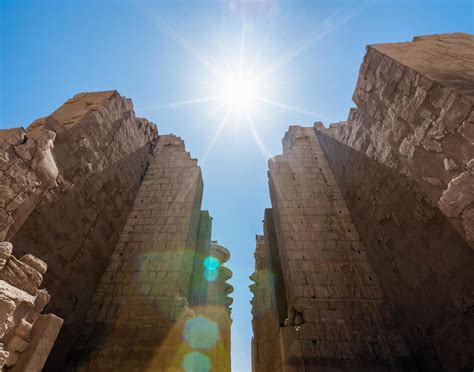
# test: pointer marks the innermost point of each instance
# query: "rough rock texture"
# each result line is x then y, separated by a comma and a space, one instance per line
101, 152
337, 316
26, 336
425, 267
404, 162
415, 114
27, 171
125, 242
140, 316
402, 169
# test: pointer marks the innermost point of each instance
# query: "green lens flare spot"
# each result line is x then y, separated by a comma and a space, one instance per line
201, 333
211, 263
211, 275
196, 362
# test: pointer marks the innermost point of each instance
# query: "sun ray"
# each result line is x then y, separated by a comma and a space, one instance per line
236, 124
242, 41
266, 154
331, 23
292, 108
238, 86
257, 56
228, 66
185, 45
202, 81
214, 139
213, 110
261, 87
179, 103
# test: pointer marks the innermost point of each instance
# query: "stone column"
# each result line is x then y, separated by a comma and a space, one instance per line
337, 314
140, 307
217, 305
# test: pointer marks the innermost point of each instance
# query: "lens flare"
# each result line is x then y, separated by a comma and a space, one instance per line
211, 263
211, 275
201, 333
211, 268
196, 362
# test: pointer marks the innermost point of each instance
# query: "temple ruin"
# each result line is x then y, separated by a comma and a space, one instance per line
367, 261
114, 209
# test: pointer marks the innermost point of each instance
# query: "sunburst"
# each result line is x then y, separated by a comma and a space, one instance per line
236, 91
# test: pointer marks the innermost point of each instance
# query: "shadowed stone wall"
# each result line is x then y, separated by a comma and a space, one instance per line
337, 316
401, 168
425, 267
269, 307
404, 161
415, 114
26, 335
101, 151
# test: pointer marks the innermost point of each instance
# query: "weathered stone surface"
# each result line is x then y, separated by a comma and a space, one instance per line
467, 218
43, 335
458, 195
269, 308
467, 129
101, 151
140, 311
417, 99
407, 149
5, 253
35, 263
401, 168
420, 259
450, 165
122, 239
333, 296
24, 342
27, 171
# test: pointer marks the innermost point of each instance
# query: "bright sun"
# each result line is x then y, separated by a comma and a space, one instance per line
239, 86
238, 93
237, 90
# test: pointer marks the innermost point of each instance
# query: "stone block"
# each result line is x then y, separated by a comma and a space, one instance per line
43, 336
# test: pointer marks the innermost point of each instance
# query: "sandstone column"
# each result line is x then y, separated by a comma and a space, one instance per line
337, 314
138, 312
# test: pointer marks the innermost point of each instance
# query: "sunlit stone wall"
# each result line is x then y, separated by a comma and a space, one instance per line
337, 316
27, 172
75, 174
74, 192
141, 317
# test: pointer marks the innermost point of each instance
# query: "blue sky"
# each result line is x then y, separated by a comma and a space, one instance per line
164, 52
